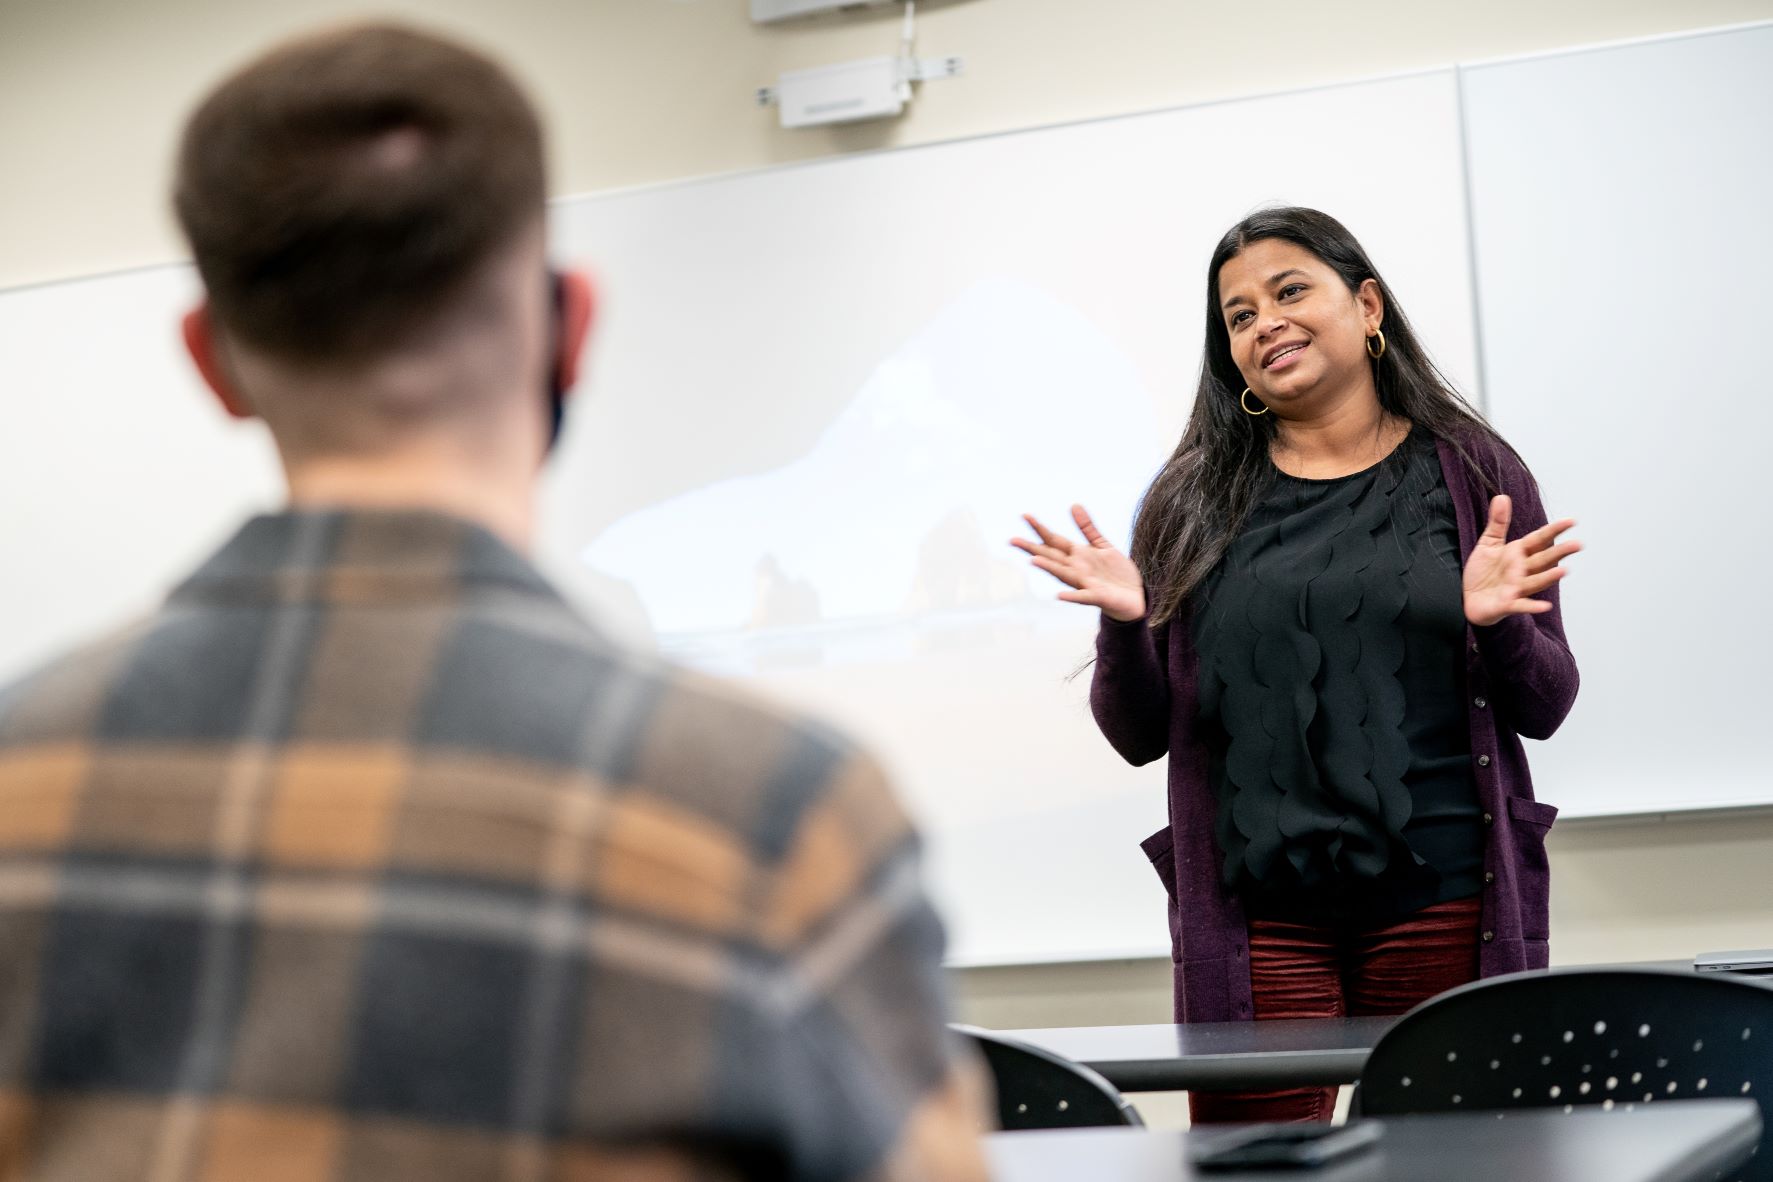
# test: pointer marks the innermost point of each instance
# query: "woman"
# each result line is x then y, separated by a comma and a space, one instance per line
1339, 616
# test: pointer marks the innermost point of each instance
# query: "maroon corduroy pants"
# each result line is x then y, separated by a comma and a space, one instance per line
1309, 971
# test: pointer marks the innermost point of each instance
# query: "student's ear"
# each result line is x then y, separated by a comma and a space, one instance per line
200, 341
578, 309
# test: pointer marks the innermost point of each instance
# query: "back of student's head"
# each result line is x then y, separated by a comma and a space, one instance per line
342, 191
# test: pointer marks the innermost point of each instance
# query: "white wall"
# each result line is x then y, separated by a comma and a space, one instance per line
92, 92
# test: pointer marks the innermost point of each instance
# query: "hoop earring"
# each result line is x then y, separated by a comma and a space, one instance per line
1241, 401
1381, 350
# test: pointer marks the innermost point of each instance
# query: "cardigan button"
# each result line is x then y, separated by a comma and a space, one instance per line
1488, 936
1474, 647
1483, 761
1479, 703
1489, 876
1488, 819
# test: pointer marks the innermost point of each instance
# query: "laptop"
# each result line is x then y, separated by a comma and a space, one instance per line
1752, 961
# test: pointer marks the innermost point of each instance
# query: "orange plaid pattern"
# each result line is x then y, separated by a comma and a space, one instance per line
365, 858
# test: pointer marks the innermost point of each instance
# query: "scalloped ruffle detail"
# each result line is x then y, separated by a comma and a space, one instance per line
1300, 643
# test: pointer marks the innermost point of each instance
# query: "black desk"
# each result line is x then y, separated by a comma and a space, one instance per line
1209, 1056
1225, 1056
1680, 1141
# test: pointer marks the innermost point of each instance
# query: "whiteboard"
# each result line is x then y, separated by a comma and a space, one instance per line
861, 369
818, 398
1620, 204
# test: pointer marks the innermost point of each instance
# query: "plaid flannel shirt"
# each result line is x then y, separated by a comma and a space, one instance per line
366, 859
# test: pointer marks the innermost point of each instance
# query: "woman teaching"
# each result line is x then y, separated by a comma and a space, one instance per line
1338, 617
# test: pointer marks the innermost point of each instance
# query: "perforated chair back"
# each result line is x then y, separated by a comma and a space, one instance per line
1037, 1089
1607, 1037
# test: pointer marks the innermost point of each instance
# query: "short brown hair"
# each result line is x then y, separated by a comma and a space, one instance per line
338, 191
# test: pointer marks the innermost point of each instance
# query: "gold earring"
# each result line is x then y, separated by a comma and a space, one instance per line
1241, 401
1376, 354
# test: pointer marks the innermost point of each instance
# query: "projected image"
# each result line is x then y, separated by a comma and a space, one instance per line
886, 538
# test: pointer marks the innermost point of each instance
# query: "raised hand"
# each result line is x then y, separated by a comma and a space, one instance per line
1501, 576
1096, 573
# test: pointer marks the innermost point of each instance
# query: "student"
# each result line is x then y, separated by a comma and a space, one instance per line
1339, 616
365, 857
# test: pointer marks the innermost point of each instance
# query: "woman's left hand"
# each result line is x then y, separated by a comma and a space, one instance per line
1501, 577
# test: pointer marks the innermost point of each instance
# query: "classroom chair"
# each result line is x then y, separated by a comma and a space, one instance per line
1607, 1037
1037, 1089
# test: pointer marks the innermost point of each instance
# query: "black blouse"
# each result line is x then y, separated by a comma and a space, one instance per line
1330, 640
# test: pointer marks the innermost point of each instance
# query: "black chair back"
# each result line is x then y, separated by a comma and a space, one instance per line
1037, 1089
1607, 1037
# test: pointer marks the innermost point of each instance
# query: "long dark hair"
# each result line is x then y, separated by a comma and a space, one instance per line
1220, 469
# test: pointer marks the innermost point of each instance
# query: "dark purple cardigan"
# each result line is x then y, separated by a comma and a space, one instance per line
1519, 680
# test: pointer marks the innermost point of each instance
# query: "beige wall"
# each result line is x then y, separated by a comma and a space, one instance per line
1625, 890
91, 93
1641, 889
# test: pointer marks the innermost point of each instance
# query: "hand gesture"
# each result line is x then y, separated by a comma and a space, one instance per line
1501, 576
1097, 574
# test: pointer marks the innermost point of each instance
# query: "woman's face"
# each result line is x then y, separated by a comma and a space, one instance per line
1297, 333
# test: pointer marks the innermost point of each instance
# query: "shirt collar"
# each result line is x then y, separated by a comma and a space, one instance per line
360, 556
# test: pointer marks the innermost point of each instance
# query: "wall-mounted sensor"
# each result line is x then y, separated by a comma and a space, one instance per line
871, 88
866, 89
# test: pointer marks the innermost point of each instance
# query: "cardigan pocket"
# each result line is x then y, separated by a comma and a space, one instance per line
1160, 847
1533, 812
1531, 822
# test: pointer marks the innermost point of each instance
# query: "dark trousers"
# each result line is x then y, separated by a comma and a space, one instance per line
1309, 971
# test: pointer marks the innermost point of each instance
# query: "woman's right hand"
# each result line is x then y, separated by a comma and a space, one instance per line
1096, 573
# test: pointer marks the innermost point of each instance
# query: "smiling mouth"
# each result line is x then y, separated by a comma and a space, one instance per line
1282, 355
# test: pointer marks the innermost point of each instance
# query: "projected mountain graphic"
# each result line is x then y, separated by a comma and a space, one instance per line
1009, 400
